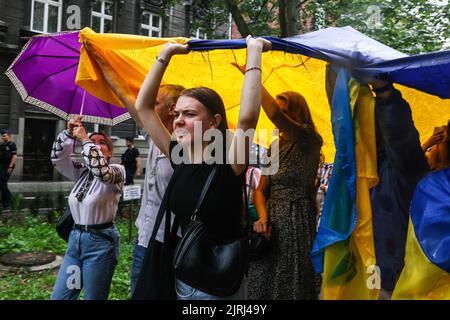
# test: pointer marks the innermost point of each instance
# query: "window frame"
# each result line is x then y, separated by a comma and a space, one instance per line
102, 16
46, 3
149, 28
197, 34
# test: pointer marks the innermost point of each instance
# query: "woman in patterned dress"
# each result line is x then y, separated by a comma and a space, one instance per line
287, 199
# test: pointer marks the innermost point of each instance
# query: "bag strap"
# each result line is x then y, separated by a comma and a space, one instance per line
167, 212
250, 184
245, 200
203, 194
162, 211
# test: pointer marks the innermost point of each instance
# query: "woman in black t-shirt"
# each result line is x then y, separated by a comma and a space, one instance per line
199, 111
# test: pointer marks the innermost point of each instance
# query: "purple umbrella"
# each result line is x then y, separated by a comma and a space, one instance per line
44, 74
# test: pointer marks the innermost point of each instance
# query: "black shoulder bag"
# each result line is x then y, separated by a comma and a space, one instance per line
204, 264
65, 224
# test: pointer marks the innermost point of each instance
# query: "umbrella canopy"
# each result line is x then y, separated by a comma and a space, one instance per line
44, 75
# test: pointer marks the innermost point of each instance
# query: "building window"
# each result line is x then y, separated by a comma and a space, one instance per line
199, 34
101, 19
151, 24
46, 16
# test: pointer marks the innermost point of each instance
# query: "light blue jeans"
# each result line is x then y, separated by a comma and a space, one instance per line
136, 264
186, 292
89, 264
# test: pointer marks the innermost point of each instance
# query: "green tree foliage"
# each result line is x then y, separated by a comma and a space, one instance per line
208, 16
259, 16
410, 26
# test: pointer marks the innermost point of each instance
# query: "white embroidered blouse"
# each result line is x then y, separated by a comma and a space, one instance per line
95, 196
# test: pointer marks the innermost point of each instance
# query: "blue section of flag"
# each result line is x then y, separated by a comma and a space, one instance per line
430, 215
339, 209
363, 56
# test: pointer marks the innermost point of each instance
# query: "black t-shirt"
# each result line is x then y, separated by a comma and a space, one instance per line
222, 205
129, 159
6, 151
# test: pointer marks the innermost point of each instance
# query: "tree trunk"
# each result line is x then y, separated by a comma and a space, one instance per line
282, 18
291, 18
242, 26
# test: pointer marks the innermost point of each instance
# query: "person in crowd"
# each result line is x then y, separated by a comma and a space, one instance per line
287, 199
401, 164
93, 246
8, 157
202, 107
157, 176
131, 160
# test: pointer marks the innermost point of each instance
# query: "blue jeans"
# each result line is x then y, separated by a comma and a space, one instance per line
89, 264
136, 264
186, 292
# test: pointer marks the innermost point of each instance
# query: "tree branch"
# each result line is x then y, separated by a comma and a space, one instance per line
232, 6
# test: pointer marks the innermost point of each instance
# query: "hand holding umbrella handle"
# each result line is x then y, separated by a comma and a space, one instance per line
71, 124
80, 132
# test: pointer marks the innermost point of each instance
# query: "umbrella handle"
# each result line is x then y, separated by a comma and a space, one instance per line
82, 102
81, 113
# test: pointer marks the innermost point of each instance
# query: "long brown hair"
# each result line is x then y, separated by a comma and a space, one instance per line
298, 110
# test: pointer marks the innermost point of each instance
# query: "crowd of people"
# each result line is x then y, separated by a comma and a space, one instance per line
288, 203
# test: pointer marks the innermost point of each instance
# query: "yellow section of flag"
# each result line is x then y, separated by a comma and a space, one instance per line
420, 279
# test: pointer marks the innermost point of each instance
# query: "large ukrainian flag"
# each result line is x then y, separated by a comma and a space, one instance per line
295, 64
426, 274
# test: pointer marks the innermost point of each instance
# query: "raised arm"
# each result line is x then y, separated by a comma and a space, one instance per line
112, 78
250, 104
281, 119
62, 150
145, 103
95, 160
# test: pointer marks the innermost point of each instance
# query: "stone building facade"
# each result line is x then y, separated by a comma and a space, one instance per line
33, 129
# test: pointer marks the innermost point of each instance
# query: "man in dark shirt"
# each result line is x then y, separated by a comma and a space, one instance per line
132, 161
8, 157
401, 164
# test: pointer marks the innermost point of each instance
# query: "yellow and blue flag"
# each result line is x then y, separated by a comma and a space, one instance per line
344, 249
426, 274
